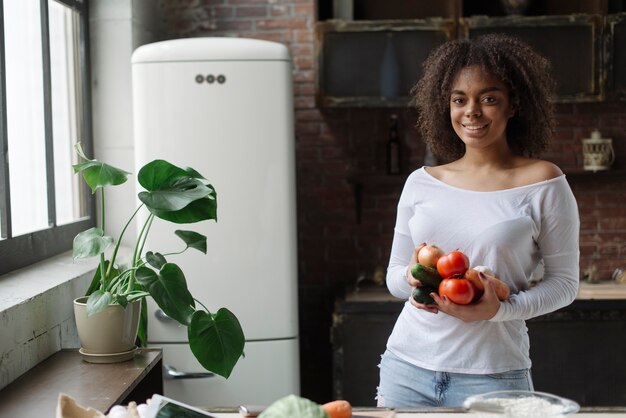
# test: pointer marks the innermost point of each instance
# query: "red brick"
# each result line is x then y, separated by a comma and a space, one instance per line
235, 25
304, 9
282, 10
303, 75
282, 24
251, 11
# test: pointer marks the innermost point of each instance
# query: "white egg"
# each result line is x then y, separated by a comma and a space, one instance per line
118, 411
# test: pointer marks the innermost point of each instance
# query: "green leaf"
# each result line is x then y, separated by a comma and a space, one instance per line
90, 243
158, 173
294, 406
97, 301
156, 260
192, 239
121, 300
175, 195
216, 341
169, 290
200, 210
142, 331
98, 174
170, 188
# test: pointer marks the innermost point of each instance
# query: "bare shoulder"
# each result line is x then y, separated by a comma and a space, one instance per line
535, 171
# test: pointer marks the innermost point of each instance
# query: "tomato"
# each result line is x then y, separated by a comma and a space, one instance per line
429, 255
454, 263
338, 409
460, 291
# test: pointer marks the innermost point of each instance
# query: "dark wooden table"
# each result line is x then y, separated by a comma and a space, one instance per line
99, 386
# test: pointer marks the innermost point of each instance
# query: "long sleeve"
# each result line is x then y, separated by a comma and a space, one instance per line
558, 243
402, 245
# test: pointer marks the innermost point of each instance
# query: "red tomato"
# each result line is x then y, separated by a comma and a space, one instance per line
460, 291
454, 263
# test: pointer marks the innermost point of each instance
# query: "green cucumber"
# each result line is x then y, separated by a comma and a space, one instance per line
427, 275
422, 294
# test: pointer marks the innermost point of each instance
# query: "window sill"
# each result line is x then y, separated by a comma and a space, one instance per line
36, 312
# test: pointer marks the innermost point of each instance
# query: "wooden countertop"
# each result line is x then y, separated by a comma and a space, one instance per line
100, 386
587, 291
454, 415
609, 412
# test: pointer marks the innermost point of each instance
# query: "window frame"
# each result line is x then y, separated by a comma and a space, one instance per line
24, 250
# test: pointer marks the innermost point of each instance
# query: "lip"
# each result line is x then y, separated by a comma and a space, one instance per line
474, 129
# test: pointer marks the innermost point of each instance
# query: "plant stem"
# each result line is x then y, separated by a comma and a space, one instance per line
138, 249
119, 239
103, 272
205, 308
144, 237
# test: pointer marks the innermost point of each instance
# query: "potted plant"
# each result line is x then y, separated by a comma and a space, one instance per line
171, 194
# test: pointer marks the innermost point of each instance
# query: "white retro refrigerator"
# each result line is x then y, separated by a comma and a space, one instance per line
224, 106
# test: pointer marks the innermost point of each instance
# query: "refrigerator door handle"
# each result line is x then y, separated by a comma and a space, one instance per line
162, 316
170, 373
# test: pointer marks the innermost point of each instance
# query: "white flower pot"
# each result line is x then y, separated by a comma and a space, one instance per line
108, 336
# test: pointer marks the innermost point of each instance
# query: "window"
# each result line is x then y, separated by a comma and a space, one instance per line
44, 111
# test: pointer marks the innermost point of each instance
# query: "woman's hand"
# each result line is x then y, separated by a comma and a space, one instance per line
483, 309
413, 282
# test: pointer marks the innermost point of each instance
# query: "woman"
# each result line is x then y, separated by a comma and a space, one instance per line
484, 105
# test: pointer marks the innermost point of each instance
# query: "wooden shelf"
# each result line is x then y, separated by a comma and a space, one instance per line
604, 175
100, 386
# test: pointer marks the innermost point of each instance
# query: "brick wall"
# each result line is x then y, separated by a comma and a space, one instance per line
340, 148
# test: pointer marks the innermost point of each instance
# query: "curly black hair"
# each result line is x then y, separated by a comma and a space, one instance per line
526, 74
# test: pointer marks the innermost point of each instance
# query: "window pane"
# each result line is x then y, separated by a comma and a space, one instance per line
25, 116
67, 115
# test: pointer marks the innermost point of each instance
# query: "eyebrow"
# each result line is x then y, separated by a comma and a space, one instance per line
483, 91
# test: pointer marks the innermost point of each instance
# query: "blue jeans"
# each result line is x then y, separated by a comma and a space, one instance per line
403, 385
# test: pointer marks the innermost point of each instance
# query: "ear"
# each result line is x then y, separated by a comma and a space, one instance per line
511, 112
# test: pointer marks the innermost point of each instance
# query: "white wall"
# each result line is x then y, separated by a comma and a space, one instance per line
117, 28
36, 311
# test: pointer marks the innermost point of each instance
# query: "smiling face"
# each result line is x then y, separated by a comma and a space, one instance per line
479, 108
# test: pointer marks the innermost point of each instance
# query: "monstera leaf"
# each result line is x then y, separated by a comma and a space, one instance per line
216, 341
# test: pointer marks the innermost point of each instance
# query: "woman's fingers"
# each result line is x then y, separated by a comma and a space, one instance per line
415, 251
430, 308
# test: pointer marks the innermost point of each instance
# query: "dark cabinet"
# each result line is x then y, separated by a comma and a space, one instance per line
573, 44
577, 351
359, 335
374, 64
615, 51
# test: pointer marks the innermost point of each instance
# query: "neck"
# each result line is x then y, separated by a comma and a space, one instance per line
487, 158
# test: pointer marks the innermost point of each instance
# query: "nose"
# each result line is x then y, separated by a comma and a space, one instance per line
473, 109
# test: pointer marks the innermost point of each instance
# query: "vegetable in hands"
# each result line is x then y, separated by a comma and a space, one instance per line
459, 290
454, 263
502, 289
429, 254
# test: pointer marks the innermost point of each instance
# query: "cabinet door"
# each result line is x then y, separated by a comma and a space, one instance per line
359, 337
578, 353
374, 64
573, 44
616, 56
